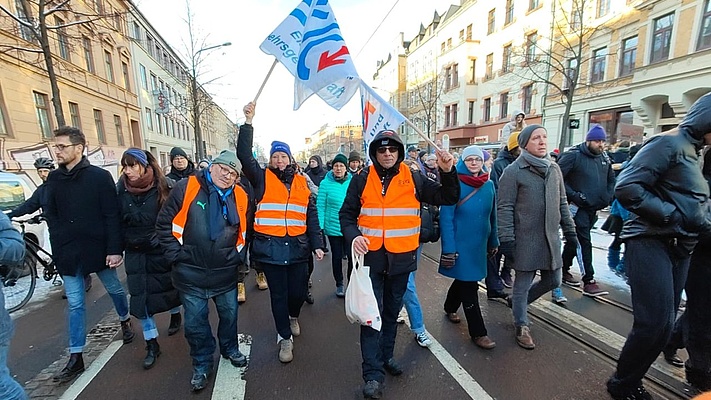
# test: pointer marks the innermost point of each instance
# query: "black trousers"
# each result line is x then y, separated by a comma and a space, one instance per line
288, 285
466, 294
338, 249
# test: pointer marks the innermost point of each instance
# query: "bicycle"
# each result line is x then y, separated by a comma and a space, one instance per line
19, 281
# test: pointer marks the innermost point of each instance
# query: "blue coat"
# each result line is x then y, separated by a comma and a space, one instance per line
469, 230
331, 194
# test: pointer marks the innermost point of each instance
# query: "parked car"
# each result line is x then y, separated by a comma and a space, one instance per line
14, 190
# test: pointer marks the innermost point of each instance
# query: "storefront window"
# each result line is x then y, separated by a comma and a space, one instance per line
618, 124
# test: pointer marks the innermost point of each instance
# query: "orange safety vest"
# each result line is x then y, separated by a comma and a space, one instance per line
282, 212
191, 192
392, 219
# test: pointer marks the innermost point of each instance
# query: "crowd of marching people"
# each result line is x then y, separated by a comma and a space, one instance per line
188, 237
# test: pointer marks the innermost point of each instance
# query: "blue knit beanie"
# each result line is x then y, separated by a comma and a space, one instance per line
280, 146
596, 132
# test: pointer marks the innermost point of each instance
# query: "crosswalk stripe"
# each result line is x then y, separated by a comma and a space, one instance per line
96, 366
466, 381
229, 381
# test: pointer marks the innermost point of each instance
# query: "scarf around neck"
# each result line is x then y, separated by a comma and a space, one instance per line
474, 181
221, 209
539, 164
143, 184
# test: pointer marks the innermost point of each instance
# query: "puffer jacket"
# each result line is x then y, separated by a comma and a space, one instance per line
510, 127
199, 264
330, 198
589, 178
503, 160
12, 251
663, 186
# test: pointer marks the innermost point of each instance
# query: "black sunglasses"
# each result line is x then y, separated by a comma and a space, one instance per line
391, 149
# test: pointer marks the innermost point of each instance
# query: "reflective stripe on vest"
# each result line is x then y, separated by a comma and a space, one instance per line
191, 192
392, 220
282, 212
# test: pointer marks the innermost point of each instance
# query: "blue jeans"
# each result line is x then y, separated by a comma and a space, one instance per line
412, 302
656, 278
9, 388
74, 289
377, 347
197, 326
525, 293
494, 284
148, 325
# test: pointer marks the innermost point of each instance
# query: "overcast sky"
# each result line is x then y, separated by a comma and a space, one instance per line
242, 66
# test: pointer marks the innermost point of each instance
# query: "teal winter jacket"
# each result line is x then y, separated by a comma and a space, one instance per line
331, 194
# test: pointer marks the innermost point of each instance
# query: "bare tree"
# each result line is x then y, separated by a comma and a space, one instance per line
557, 59
39, 32
425, 100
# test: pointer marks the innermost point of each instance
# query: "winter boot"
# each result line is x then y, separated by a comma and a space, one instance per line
262, 281
152, 353
175, 321
127, 331
74, 367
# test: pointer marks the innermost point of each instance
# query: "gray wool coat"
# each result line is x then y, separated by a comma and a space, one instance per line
530, 210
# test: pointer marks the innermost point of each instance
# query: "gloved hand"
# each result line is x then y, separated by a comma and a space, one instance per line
508, 249
581, 200
447, 260
571, 239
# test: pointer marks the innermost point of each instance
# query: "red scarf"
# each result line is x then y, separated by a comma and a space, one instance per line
141, 185
474, 181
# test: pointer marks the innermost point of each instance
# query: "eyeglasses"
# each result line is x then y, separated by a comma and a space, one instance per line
391, 149
227, 171
62, 147
472, 160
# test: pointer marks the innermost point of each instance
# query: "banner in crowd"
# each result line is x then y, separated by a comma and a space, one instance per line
378, 114
309, 43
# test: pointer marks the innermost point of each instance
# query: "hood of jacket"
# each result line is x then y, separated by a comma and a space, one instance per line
583, 148
697, 121
515, 114
392, 137
319, 161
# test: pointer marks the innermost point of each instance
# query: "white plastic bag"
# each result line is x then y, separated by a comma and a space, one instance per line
361, 305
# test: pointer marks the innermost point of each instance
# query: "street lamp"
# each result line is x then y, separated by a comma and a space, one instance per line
196, 106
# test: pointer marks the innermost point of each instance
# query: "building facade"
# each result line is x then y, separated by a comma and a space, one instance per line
650, 61
93, 64
331, 140
161, 86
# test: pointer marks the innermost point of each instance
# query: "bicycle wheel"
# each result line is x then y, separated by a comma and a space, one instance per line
19, 283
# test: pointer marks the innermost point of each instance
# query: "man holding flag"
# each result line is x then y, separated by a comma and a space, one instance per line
381, 217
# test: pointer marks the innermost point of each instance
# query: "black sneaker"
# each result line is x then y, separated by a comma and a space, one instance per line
498, 296
639, 393
372, 390
392, 367
199, 380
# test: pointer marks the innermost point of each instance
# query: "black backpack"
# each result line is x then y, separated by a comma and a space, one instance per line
429, 228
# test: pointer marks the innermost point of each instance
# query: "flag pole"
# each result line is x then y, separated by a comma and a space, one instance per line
419, 132
265, 80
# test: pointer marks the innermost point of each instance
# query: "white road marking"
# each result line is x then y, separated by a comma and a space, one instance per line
96, 366
466, 381
229, 381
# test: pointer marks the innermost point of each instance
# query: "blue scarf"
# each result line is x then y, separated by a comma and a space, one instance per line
221, 209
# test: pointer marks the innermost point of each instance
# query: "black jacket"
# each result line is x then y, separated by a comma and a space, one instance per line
271, 249
503, 160
35, 202
427, 191
148, 271
178, 175
589, 178
663, 186
83, 218
199, 264
316, 174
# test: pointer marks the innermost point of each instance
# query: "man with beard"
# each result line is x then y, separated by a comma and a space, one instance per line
181, 167
589, 185
85, 230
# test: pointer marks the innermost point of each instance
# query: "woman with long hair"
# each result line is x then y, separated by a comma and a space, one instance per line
142, 189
